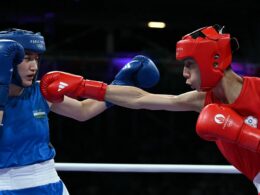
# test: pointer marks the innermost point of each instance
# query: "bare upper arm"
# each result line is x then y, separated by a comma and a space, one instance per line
191, 101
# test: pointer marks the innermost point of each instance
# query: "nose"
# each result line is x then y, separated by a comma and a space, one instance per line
185, 73
34, 65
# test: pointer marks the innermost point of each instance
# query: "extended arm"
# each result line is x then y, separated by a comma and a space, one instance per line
136, 98
130, 97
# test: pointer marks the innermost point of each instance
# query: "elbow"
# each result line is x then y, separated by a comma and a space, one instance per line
90, 110
81, 115
80, 118
137, 105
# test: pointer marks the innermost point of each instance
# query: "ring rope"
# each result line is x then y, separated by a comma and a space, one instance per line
147, 168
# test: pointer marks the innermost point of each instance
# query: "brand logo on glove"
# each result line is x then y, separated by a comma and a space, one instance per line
219, 118
252, 121
62, 85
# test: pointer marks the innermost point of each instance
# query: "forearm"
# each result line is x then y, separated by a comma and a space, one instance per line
125, 96
79, 110
132, 97
92, 108
136, 98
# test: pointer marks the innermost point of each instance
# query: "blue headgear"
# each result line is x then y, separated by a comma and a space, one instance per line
30, 41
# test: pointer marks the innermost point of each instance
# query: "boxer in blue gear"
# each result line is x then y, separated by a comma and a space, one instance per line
26, 155
26, 158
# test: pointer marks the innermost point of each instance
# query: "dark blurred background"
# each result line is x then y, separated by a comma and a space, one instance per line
96, 38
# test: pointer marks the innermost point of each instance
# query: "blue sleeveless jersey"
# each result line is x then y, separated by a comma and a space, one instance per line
24, 138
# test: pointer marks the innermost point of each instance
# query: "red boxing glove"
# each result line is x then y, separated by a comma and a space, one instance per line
220, 122
54, 85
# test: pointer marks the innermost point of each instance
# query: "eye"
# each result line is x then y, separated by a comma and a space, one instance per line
31, 58
187, 64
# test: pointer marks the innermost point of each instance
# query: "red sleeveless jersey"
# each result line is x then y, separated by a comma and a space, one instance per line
246, 105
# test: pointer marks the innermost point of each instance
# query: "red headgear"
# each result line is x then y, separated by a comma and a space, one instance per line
210, 49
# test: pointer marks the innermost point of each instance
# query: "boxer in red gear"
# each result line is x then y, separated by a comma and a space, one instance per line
247, 161
207, 56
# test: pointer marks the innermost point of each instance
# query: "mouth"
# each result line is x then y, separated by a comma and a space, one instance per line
190, 84
30, 77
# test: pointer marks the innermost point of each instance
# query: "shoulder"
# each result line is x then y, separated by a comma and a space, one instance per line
251, 84
195, 100
251, 79
194, 95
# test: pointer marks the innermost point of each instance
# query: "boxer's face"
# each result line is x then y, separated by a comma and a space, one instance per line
28, 68
191, 73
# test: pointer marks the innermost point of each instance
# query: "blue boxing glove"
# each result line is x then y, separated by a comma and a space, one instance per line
140, 72
11, 54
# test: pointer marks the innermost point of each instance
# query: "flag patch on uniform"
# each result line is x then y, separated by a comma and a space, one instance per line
39, 114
